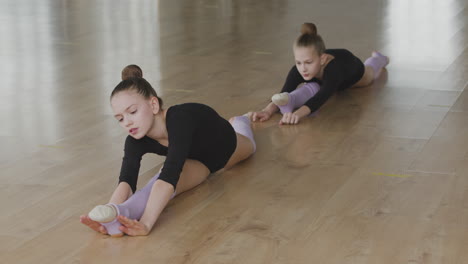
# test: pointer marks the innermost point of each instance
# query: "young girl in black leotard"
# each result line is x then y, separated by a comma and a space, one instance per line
194, 138
319, 73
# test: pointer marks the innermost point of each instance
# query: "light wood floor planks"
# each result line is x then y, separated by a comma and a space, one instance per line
379, 175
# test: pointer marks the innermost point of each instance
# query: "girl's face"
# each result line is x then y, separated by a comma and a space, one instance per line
308, 62
134, 113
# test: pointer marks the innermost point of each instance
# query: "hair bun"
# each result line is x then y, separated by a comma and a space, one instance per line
309, 28
132, 71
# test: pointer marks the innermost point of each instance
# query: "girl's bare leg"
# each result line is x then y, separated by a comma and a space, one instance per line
366, 79
373, 67
193, 173
245, 146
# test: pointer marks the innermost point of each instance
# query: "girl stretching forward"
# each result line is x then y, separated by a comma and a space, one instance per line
333, 69
194, 138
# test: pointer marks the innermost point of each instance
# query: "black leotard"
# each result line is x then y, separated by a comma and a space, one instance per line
195, 131
340, 73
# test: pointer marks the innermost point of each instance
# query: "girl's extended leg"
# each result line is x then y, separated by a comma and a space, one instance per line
133, 208
193, 173
373, 67
288, 102
377, 62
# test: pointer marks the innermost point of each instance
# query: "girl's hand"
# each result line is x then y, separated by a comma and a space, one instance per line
290, 119
96, 226
260, 116
132, 227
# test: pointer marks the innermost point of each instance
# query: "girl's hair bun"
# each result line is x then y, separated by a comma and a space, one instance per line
309, 29
132, 71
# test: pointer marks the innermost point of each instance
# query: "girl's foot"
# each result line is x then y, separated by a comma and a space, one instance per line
106, 215
103, 213
378, 54
280, 99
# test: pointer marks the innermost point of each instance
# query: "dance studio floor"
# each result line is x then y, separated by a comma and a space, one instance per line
379, 175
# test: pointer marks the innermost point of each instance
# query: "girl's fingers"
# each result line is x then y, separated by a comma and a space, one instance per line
84, 219
289, 119
296, 119
124, 220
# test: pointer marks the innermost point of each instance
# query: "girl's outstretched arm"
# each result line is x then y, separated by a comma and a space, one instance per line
121, 193
294, 118
265, 114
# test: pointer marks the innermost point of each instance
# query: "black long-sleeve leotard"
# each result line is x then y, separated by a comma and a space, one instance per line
195, 131
340, 73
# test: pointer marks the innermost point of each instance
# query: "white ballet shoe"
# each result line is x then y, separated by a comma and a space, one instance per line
103, 213
280, 99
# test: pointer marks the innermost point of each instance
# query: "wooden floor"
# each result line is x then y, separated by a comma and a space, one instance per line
380, 175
